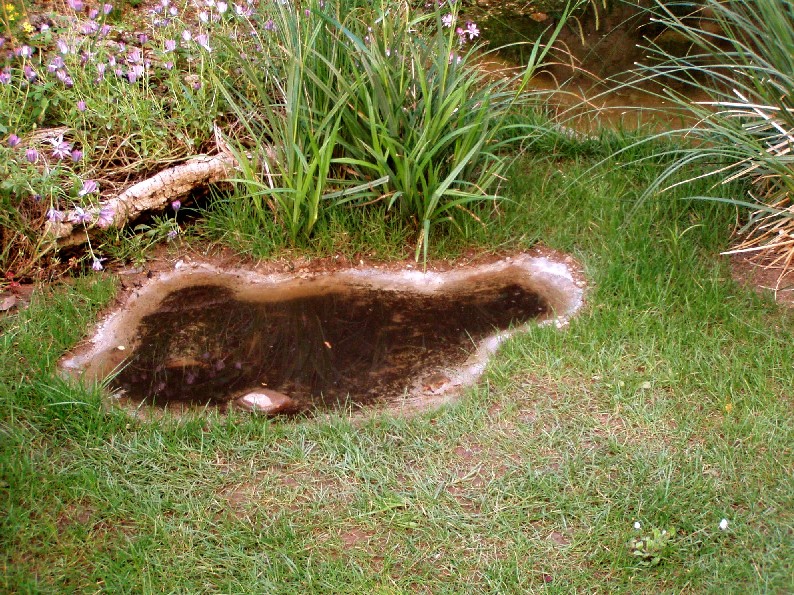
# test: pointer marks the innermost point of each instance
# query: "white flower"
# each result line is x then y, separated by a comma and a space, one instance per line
637, 525
723, 524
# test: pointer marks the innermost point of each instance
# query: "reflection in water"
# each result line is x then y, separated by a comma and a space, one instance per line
335, 346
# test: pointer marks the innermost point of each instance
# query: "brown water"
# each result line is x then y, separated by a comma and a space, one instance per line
341, 345
587, 79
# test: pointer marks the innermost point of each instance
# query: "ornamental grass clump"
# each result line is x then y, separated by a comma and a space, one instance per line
742, 58
351, 103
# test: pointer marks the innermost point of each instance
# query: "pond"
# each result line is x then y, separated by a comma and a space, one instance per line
348, 339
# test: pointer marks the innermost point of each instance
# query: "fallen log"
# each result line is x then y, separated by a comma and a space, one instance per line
152, 194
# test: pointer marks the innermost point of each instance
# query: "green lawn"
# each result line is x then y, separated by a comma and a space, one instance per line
666, 402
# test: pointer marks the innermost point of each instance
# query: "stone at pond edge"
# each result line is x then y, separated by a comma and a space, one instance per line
267, 401
7, 302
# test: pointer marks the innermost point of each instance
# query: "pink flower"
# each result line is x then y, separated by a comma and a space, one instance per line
80, 216
204, 41
32, 155
170, 45
447, 20
81, 106
89, 187
55, 216
97, 264
106, 216
13, 140
472, 30
60, 148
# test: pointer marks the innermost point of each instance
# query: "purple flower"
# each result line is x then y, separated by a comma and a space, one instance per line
222, 7
30, 74
170, 45
172, 234
89, 187
32, 155
56, 64
25, 51
168, 65
64, 78
472, 30
60, 148
76, 155
93, 13
134, 56
176, 204
135, 72
447, 20
89, 28
204, 41
97, 264
5, 77
81, 106
13, 140
100, 68
143, 39
106, 8
80, 216
55, 216
63, 47
2, 41
104, 30
76, 5
270, 25
243, 11
106, 216
187, 35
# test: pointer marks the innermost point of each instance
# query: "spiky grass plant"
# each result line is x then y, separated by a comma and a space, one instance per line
742, 57
359, 103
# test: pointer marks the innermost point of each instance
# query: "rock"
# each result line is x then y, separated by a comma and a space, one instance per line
435, 382
267, 401
7, 302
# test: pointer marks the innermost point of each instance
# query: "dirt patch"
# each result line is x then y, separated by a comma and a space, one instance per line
764, 279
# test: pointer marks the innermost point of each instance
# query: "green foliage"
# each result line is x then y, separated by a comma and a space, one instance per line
654, 548
363, 103
742, 58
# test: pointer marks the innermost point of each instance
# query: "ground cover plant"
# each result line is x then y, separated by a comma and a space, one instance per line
310, 97
644, 448
740, 58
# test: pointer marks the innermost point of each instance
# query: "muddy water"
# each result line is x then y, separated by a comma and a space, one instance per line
592, 63
337, 345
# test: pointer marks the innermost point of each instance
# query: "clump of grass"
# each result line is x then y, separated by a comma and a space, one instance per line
366, 104
741, 57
